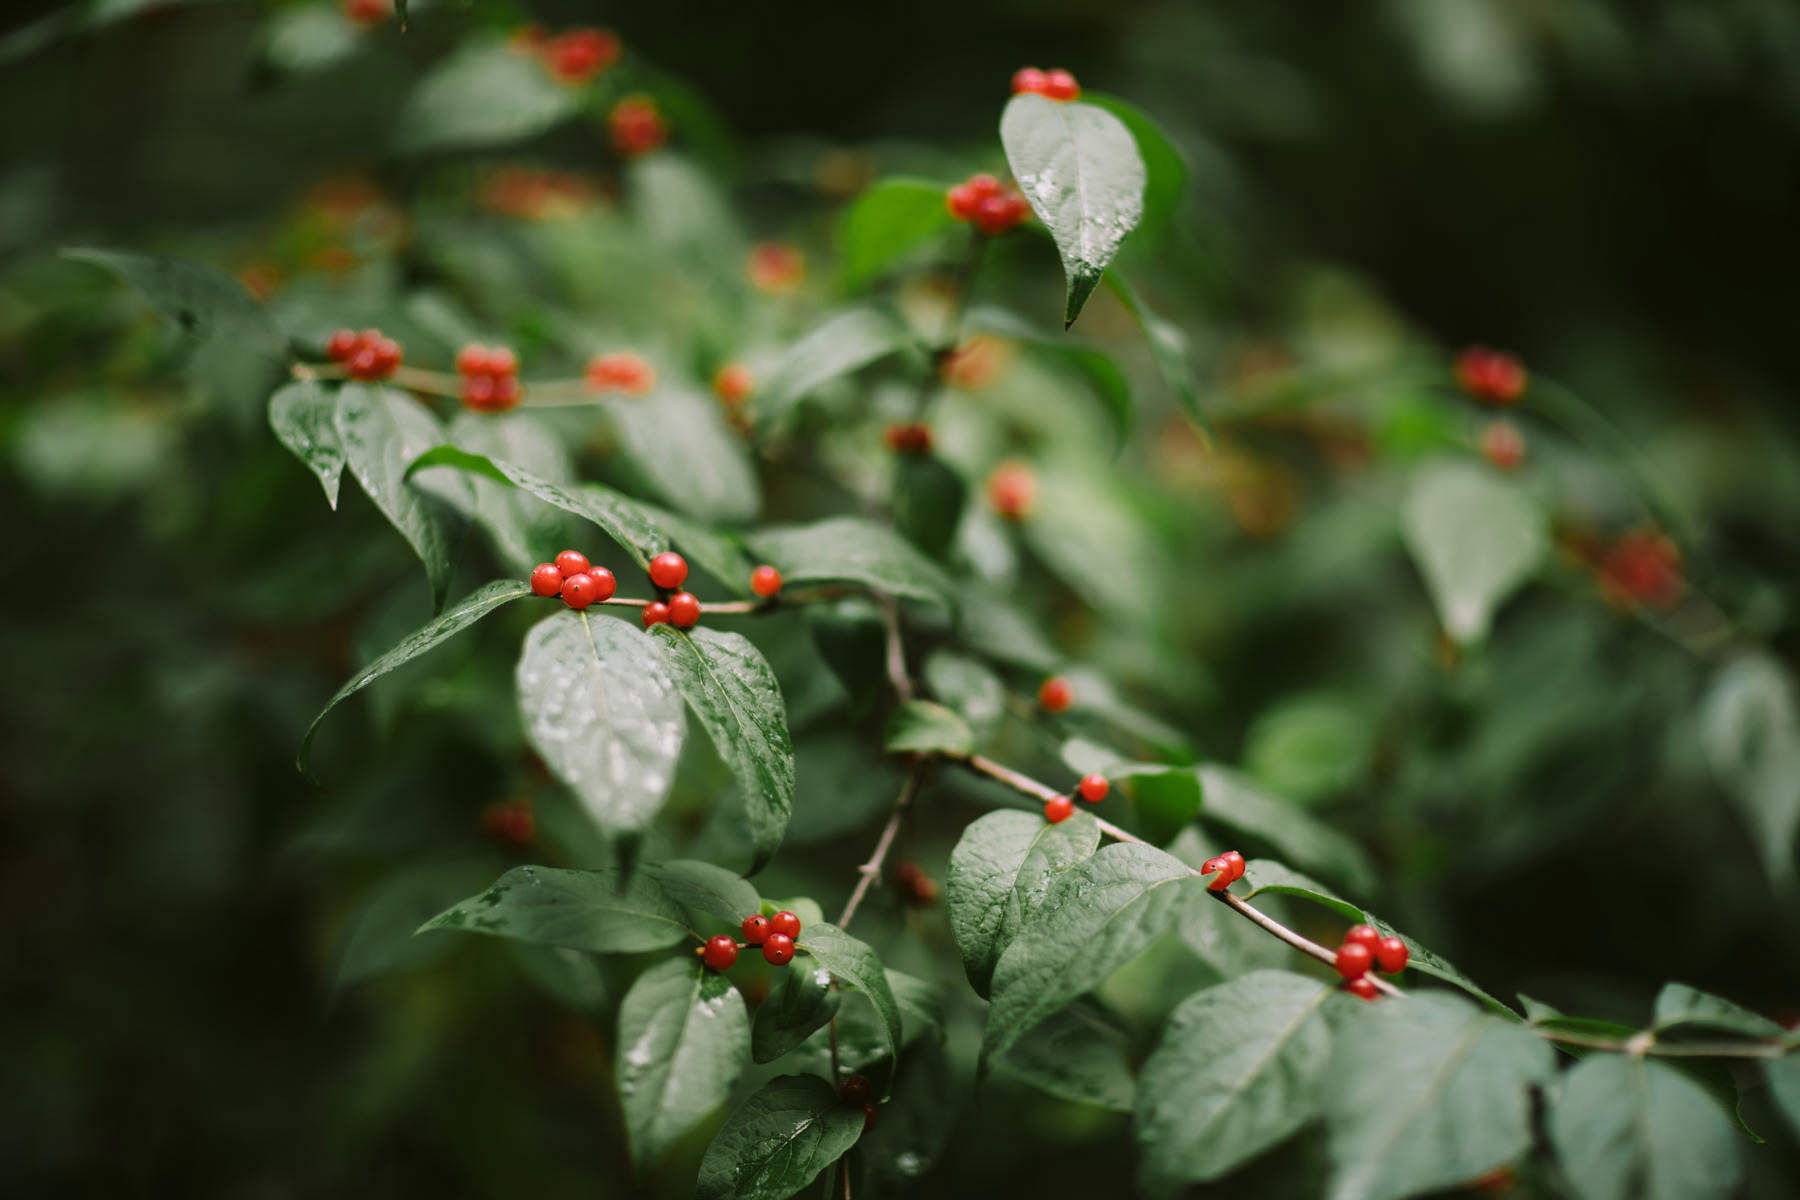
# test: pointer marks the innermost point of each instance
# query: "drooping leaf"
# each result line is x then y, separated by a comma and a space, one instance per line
1236, 802
844, 342
703, 887
1169, 349
484, 95
446, 625
1165, 170
1476, 539
778, 1141
688, 455
1427, 962
600, 707
986, 868
1266, 875
1680, 1007
1630, 1128
731, 689
798, 1007
854, 550
1077, 1055
884, 225
1097, 916
922, 727
578, 910
1750, 731
304, 417
523, 530
853, 963
1237, 1071
1080, 168
382, 431
1425, 1093
683, 1034
681, 209
1312, 746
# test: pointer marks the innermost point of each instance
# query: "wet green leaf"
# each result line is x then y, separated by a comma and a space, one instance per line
683, 1033
778, 1141
304, 416
885, 225
1631, 1128
578, 910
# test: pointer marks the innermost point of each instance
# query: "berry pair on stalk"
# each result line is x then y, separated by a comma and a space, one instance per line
1092, 788
1490, 375
669, 570
985, 204
576, 580
490, 377
1364, 947
367, 355
620, 371
774, 934
1226, 869
1054, 84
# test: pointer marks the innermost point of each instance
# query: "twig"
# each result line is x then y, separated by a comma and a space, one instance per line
870, 871
896, 653
1646, 1043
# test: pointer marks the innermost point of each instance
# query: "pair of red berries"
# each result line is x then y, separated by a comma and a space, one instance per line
1054, 84
367, 355
580, 54
669, 570
620, 372
510, 821
636, 126
368, 12
774, 934
858, 1092
1226, 869
1490, 375
908, 437
1364, 947
915, 886
576, 580
985, 204
1092, 788
490, 377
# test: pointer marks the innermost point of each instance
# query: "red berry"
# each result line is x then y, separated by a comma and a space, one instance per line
471, 360
785, 923
341, 345
1353, 960
364, 364
1220, 870
572, 562
668, 569
506, 392
960, 201
1058, 809
1027, 79
478, 392
775, 267
1391, 955
603, 579
856, 1090
502, 361
1363, 935
1643, 567
684, 610
387, 355
1362, 986
1060, 85
655, 613
367, 12
546, 580
869, 1115
1490, 375
636, 126
1055, 694
1234, 862
1094, 788
579, 591
756, 929
719, 952
983, 185
765, 581
997, 214
1012, 490
778, 948
733, 383
1503, 445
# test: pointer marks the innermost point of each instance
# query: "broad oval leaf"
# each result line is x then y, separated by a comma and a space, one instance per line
1476, 539
703, 887
990, 864
921, 727
1427, 1092
1077, 1055
800, 1006
1080, 168
446, 625
885, 224
304, 417
778, 1141
1098, 915
846, 341
1630, 1128
1165, 170
687, 454
683, 1032
577, 910
1750, 731
1236, 1072
382, 431
600, 707
733, 690
485, 94
852, 962
854, 550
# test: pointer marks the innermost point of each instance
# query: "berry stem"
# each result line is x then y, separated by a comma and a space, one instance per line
896, 652
870, 871
1646, 1043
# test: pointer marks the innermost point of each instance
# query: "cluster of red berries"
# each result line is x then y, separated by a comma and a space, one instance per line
914, 885
774, 934
621, 371
636, 126
984, 203
1092, 788
1012, 490
1503, 445
490, 377
368, 355
576, 580
1364, 947
1490, 375
1056, 694
578, 55
1054, 84
858, 1092
368, 13
1226, 869
510, 821
908, 437
682, 609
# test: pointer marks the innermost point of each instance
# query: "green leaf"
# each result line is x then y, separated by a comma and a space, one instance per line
1476, 538
683, 1033
1080, 168
857, 966
1267, 875
927, 500
1001, 868
382, 431
570, 977
844, 342
1312, 746
687, 454
801, 1004
974, 691
1750, 733
380, 937
577, 910
921, 1005
446, 625
1165, 170
1169, 349
1076, 1055
1783, 1077
1630, 1128
483, 95
304, 417
731, 688
778, 1141
1105, 376
917, 1120
1679, 1006
1163, 800
600, 707
1097, 915
1234, 801
1425, 1093
853, 550
1426, 962
922, 727
523, 531
885, 224
1238, 1070
309, 37
702, 887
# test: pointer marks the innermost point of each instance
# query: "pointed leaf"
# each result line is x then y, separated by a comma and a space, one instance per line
1679, 1006
1476, 539
599, 706
990, 865
688, 455
778, 1141
1630, 1128
683, 1032
702, 887
854, 964
921, 727
382, 430
1267, 875
304, 417
885, 224
840, 549
578, 910
801, 1004
1750, 731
